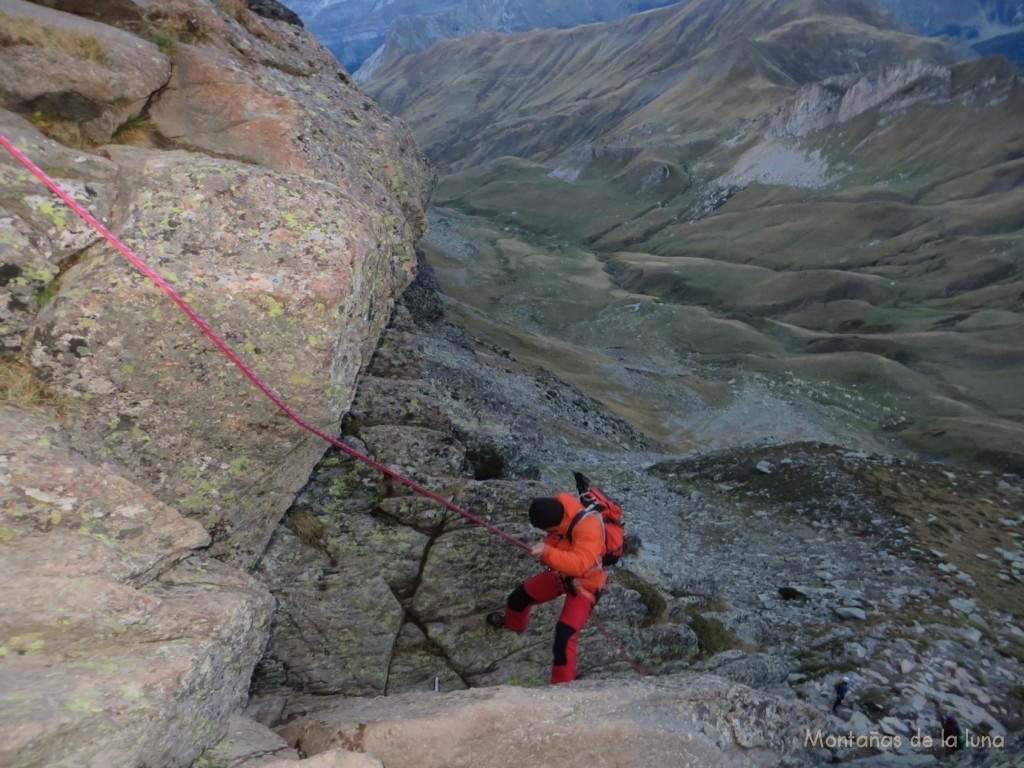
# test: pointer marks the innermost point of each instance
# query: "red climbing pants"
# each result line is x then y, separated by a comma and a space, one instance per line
543, 588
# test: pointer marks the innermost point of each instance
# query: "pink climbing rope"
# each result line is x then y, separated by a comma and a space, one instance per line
245, 369
149, 272
618, 647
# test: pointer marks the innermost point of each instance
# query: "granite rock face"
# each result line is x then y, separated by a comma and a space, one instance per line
276, 198
121, 645
142, 474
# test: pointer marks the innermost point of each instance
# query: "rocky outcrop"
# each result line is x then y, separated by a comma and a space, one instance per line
294, 259
779, 157
839, 100
138, 467
695, 721
120, 645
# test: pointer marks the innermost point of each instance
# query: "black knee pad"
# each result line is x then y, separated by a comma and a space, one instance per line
563, 632
520, 599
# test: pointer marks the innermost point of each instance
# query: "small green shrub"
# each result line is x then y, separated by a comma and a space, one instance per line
712, 635
46, 294
654, 603
166, 44
134, 130
306, 526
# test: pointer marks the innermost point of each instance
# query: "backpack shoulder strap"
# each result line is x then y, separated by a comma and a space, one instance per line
585, 512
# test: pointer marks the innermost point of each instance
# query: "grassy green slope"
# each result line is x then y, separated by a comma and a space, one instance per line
611, 156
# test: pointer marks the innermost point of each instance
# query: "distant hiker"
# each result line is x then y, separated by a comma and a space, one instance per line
842, 687
952, 736
573, 550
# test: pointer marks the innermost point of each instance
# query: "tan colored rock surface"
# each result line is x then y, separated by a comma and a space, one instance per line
672, 721
285, 271
122, 643
110, 653
295, 261
106, 526
334, 758
114, 72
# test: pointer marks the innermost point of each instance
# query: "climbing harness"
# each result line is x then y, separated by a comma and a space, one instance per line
149, 272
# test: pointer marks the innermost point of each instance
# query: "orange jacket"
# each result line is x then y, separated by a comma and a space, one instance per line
580, 558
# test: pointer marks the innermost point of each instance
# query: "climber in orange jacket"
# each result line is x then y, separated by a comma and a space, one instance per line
572, 551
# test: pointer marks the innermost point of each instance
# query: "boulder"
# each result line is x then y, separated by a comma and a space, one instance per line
247, 744
121, 645
115, 72
670, 721
255, 253
294, 252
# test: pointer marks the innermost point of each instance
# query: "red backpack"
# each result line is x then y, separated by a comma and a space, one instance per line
594, 500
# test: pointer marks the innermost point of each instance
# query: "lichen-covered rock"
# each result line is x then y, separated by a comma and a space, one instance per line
259, 256
335, 625
262, 91
295, 261
394, 401
38, 233
340, 574
114, 650
426, 456
114, 72
62, 517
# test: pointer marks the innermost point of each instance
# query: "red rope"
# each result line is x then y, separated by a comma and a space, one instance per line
615, 644
177, 299
249, 373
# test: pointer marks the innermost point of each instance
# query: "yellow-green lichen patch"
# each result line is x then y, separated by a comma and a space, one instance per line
239, 466
83, 702
21, 644
274, 307
56, 213
9, 534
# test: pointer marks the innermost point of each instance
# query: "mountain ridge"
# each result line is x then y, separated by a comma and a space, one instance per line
364, 32
869, 172
677, 46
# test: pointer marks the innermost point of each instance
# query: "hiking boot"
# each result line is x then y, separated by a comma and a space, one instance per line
496, 619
